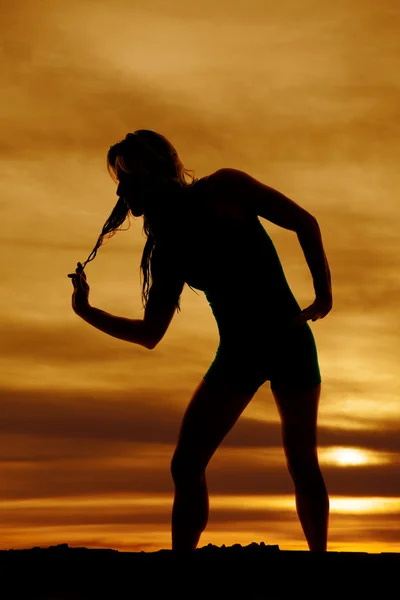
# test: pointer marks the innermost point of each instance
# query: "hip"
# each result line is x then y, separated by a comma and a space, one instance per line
266, 341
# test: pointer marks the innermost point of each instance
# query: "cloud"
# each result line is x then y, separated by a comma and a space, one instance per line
364, 529
304, 110
57, 444
152, 416
136, 416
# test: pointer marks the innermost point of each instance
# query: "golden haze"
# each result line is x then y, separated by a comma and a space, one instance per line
303, 96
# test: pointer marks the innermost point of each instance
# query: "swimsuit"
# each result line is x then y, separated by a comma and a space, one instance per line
235, 263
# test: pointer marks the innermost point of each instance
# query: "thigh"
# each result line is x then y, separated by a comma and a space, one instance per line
294, 361
298, 410
241, 369
210, 415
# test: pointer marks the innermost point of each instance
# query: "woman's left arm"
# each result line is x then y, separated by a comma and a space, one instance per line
146, 332
129, 330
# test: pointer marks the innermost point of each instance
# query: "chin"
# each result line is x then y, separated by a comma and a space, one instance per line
137, 212
136, 209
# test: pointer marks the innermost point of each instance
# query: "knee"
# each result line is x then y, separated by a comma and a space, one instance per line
185, 470
302, 463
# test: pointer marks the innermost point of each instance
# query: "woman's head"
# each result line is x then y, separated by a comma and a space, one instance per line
141, 163
149, 172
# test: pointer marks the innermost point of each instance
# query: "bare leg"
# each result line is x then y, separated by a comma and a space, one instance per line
298, 411
189, 513
210, 415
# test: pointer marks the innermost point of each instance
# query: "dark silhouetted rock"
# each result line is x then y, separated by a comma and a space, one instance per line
253, 572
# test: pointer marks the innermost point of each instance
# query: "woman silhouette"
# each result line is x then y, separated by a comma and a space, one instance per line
206, 233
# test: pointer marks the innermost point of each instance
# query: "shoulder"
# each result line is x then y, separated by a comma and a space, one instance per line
240, 182
256, 198
229, 175
232, 188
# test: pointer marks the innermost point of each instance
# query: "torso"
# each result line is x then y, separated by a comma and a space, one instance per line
230, 257
222, 249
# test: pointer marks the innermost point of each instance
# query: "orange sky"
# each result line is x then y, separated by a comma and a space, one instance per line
303, 96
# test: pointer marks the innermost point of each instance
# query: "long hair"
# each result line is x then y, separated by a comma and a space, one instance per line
166, 171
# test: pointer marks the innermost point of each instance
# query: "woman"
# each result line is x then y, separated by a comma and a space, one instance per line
206, 233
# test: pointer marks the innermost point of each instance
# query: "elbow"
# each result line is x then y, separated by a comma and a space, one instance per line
311, 220
149, 336
151, 344
307, 224
152, 341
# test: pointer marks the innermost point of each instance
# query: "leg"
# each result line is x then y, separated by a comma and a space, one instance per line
298, 411
211, 413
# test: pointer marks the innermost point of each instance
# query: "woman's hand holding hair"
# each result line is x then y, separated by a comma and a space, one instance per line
80, 295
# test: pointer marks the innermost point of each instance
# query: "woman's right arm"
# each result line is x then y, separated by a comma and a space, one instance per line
257, 198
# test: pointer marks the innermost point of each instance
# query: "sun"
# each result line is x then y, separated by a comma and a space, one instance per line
345, 457
350, 456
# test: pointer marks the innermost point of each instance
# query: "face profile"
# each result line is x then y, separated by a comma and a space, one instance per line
131, 190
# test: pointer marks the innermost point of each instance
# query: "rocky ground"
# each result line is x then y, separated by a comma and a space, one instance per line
253, 572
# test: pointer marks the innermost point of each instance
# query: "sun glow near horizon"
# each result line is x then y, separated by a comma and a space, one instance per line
141, 523
354, 457
149, 504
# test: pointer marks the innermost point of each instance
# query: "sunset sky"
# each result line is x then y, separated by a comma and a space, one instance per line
304, 96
